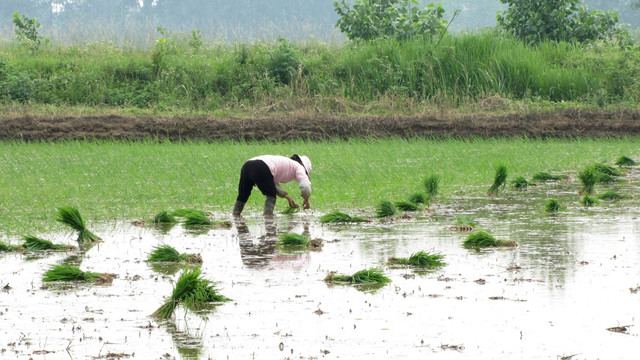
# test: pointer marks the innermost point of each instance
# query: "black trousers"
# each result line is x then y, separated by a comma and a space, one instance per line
255, 172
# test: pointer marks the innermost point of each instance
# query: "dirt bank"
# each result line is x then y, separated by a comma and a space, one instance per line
559, 123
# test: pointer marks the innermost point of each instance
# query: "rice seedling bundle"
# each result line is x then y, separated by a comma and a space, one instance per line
432, 184
166, 253
197, 219
545, 176
291, 210
186, 212
8, 247
70, 216
467, 220
164, 217
385, 208
293, 239
552, 206
338, 216
421, 258
367, 276
405, 205
520, 183
625, 161
478, 239
607, 169
192, 292
65, 272
33, 243
612, 195
419, 198
589, 178
499, 179
588, 201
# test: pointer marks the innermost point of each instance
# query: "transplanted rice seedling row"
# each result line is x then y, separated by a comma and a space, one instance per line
342, 177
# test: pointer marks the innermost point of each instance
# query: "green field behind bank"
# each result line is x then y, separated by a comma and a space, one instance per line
383, 77
136, 180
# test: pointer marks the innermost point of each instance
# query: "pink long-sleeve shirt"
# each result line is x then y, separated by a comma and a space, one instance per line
285, 170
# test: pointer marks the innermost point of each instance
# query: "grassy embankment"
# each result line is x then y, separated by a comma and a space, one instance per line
120, 180
381, 78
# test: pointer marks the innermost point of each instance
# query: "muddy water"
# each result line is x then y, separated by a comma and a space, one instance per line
571, 279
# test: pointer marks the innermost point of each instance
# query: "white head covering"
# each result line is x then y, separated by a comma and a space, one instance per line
306, 163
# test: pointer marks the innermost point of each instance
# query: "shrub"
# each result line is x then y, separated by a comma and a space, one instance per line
398, 19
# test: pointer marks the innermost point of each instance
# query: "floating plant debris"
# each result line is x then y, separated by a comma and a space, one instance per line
421, 258
166, 253
479, 238
70, 216
33, 243
339, 216
385, 208
192, 292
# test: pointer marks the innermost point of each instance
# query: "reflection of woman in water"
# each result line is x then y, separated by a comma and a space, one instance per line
267, 172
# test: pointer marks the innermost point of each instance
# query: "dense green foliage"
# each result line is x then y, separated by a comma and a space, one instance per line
223, 78
397, 19
558, 20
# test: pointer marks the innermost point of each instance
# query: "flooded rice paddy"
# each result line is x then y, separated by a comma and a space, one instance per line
570, 290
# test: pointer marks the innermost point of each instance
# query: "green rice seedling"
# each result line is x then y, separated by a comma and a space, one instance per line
625, 161
405, 205
338, 216
291, 210
545, 176
420, 258
588, 200
8, 247
70, 216
466, 220
432, 184
478, 239
385, 208
589, 178
197, 219
499, 179
367, 276
164, 217
65, 272
419, 198
604, 178
607, 169
612, 195
520, 183
293, 239
192, 292
184, 213
552, 206
33, 243
166, 253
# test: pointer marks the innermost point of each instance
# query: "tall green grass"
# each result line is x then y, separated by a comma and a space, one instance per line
105, 176
229, 77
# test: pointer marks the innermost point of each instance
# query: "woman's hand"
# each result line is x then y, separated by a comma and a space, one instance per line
291, 202
305, 204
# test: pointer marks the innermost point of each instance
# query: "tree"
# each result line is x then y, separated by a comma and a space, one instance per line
399, 19
539, 20
27, 32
